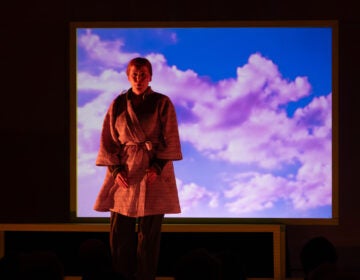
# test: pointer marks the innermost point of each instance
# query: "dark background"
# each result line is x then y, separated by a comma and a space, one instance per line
35, 101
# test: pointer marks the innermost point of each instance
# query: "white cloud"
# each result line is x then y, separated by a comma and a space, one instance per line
192, 195
106, 52
251, 192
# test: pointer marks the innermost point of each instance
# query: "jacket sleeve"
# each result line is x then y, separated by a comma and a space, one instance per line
110, 145
170, 148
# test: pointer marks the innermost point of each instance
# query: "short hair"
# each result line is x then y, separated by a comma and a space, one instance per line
139, 62
316, 251
198, 264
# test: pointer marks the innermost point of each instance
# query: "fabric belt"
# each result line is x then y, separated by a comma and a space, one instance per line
148, 145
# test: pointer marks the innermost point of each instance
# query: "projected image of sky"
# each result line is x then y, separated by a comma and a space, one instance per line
254, 112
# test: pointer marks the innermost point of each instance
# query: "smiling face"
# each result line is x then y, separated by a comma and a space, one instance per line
139, 78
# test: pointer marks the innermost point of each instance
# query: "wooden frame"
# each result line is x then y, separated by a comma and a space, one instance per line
204, 223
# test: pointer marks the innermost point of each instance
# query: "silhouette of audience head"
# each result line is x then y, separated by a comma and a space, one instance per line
37, 265
95, 261
198, 264
318, 258
232, 265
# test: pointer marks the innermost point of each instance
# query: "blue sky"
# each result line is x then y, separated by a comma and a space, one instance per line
217, 52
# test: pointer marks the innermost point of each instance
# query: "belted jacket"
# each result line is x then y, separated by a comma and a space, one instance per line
133, 137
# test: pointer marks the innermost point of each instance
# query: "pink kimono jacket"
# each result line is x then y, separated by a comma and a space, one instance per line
132, 140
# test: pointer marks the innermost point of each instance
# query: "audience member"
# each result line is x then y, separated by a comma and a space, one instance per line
198, 264
95, 261
318, 258
37, 265
9, 267
232, 265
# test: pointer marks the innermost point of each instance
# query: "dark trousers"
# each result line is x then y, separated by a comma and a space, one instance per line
135, 253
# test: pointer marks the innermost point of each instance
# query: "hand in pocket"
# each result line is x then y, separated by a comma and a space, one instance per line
121, 180
151, 176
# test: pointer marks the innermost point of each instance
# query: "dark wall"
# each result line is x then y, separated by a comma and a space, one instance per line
34, 115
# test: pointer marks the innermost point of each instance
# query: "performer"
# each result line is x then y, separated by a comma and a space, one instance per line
139, 142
